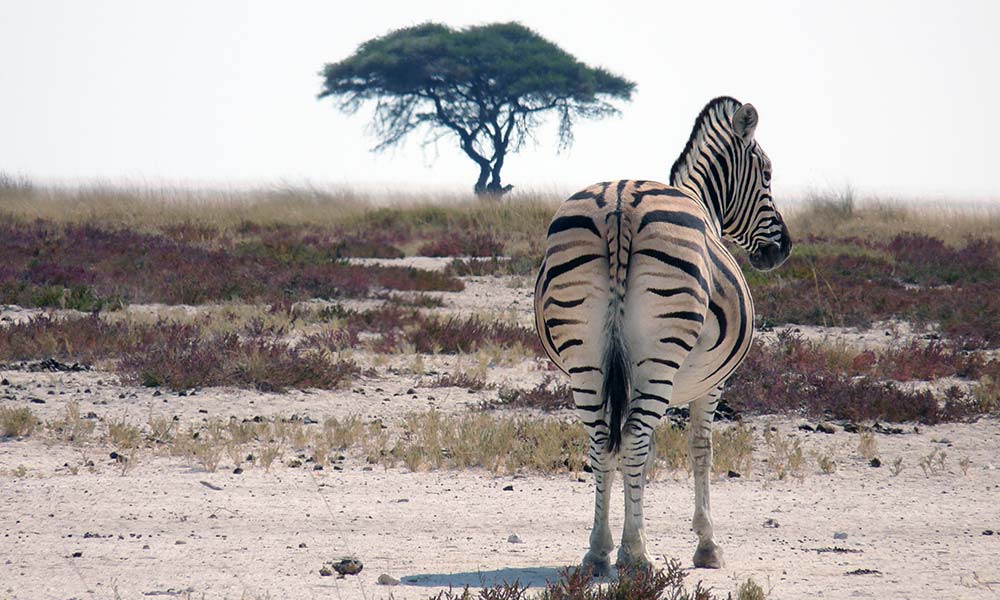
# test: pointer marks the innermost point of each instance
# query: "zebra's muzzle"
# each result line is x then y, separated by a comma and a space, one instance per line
771, 255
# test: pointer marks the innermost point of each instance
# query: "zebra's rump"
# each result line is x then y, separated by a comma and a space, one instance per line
647, 255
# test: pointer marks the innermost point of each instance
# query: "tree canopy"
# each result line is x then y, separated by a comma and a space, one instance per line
488, 85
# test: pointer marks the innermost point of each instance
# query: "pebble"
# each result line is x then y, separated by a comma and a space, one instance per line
508, 488
771, 524
386, 579
733, 475
514, 539
875, 462
348, 566
840, 535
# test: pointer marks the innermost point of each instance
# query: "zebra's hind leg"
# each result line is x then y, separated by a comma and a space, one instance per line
637, 447
604, 465
709, 554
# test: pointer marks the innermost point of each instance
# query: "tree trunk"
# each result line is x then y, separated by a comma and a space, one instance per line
481, 189
494, 189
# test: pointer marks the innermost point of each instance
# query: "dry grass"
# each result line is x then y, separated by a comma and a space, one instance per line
934, 462
785, 454
162, 209
521, 214
732, 450
844, 215
826, 462
575, 584
16, 422
70, 426
867, 445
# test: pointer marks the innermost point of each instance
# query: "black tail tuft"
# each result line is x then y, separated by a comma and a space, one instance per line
616, 387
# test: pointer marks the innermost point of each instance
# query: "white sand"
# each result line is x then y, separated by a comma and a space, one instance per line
161, 532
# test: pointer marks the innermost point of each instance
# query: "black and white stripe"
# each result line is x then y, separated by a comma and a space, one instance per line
641, 304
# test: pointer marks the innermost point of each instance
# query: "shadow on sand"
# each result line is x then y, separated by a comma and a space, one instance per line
529, 576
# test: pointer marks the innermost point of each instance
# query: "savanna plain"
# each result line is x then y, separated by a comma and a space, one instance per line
252, 394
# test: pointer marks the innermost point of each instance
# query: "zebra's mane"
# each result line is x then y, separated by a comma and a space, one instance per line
699, 123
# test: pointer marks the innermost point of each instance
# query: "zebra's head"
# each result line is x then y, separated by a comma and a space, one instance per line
753, 222
728, 169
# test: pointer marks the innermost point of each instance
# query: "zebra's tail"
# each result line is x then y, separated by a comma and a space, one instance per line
617, 386
617, 381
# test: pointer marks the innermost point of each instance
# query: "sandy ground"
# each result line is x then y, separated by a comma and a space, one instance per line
163, 529
168, 529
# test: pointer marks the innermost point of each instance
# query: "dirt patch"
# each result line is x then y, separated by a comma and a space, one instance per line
168, 528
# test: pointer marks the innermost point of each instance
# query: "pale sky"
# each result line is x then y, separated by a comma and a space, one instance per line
894, 98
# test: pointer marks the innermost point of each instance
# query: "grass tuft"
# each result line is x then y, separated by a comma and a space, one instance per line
17, 422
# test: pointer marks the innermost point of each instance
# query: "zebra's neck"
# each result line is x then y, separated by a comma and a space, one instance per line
705, 166
711, 200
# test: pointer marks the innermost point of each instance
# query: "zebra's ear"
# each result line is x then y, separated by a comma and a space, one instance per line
745, 122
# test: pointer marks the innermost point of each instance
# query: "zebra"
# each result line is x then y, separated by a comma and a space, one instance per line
641, 304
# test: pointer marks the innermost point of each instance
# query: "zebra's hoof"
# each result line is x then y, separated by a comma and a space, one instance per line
630, 562
596, 566
708, 556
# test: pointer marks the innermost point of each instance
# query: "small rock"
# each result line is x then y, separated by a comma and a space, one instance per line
411, 391
302, 545
348, 566
806, 427
851, 427
864, 572
880, 428
826, 428
514, 539
840, 535
4, 382
237, 471
771, 524
145, 546
875, 462
508, 488
295, 463
325, 571
317, 467
156, 393
733, 475
988, 532
77, 554
386, 579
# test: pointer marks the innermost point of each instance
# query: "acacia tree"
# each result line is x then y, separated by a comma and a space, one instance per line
489, 86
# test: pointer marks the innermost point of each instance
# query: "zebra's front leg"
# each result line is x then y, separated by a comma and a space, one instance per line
604, 465
636, 451
709, 554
